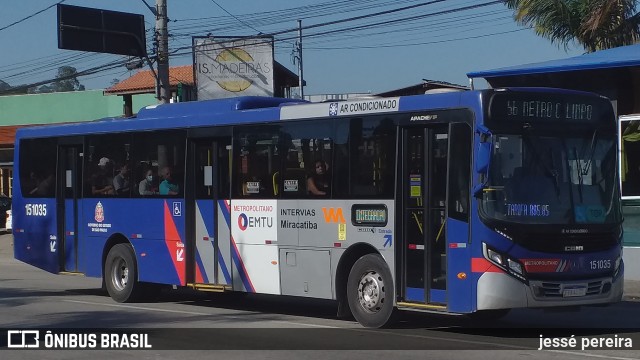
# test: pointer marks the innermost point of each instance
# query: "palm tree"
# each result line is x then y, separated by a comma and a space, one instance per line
594, 24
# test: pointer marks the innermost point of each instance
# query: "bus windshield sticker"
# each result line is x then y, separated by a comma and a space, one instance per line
253, 187
342, 232
369, 215
415, 182
291, 185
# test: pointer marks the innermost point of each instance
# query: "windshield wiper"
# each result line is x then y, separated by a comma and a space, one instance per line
580, 173
592, 150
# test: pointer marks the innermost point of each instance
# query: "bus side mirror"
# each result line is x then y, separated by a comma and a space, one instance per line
483, 157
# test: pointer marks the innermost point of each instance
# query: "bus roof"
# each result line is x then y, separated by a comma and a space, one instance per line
167, 116
244, 110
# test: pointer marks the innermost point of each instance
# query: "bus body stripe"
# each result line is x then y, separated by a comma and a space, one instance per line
201, 275
482, 265
223, 266
244, 276
172, 239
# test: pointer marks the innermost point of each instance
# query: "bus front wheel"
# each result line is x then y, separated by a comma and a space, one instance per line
370, 291
121, 274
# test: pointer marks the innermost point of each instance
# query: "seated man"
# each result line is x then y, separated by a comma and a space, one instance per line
101, 182
121, 181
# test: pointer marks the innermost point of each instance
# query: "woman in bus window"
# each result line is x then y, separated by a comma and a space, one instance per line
319, 182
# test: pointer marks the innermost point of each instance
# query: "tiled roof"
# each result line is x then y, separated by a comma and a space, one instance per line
144, 82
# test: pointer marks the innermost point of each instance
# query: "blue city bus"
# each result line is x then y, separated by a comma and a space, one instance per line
471, 202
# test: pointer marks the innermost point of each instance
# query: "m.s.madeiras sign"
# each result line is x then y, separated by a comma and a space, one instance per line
231, 67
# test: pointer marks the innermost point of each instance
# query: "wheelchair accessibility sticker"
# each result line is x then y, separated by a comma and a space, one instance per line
177, 209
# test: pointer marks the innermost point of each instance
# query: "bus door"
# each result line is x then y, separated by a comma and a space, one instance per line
424, 179
68, 192
208, 233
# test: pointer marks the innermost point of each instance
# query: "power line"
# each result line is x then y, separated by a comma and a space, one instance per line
360, 18
410, 18
94, 70
32, 15
366, 26
420, 43
235, 17
394, 22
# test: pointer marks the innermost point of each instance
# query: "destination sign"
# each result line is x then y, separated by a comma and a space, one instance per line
369, 215
540, 107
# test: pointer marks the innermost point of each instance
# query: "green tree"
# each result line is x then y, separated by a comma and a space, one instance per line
43, 89
67, 80
594, 24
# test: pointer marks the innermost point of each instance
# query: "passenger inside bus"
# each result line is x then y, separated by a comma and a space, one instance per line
168, 186
146, 186
44, 185
101, 182
121, 181
318, 183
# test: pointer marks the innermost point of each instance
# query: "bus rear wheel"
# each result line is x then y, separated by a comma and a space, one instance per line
370, 291
121, 274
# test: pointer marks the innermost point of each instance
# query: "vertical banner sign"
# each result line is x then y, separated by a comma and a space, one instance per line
230, 67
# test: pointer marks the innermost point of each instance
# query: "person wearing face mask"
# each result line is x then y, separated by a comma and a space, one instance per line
146, 185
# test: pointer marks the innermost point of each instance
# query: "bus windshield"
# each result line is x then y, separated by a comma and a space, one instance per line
553, 179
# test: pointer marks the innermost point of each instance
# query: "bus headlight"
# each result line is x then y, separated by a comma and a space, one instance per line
616, 269
495, 256
515, 266
510, 266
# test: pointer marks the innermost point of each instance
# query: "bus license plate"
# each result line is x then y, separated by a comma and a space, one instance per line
572, 292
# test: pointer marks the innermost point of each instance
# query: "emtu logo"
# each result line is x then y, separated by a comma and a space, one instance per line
243, 222
333, 215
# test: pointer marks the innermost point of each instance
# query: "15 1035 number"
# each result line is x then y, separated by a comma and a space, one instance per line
36, 209
600, 264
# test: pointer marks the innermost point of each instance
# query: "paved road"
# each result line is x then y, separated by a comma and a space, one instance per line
31, 298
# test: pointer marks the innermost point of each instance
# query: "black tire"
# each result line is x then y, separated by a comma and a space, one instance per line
121, 274
484, 315
370, 291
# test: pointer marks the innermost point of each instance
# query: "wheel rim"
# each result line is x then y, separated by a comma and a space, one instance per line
371, 291
120, 274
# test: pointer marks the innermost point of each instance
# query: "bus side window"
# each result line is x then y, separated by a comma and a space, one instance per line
37, 167
106, 157
161, 152
305, 145
372, 142
257, 160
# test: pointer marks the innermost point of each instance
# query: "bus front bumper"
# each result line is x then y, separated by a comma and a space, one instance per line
502, 291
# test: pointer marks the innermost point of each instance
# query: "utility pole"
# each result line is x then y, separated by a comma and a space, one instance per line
163, 90
299, 48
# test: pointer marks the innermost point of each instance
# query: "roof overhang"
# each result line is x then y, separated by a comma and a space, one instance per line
620, 57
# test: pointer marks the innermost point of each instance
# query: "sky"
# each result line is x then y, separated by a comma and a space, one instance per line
436, 40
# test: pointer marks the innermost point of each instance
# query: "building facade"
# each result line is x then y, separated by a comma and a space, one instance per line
51, 108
